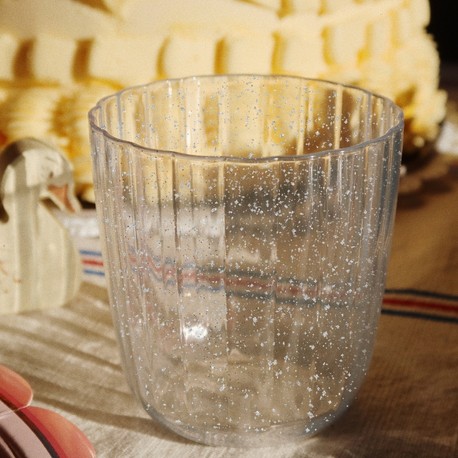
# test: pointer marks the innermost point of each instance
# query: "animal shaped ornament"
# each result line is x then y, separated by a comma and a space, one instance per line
39, 263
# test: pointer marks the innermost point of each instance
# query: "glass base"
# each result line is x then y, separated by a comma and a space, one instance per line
257, 437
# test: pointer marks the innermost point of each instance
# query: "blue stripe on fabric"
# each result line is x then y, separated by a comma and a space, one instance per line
94, 272
416, 292
424, 316
91, 252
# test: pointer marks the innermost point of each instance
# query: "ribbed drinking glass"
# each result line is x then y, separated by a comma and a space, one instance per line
246, 224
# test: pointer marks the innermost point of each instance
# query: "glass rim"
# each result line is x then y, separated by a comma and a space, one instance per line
398, 123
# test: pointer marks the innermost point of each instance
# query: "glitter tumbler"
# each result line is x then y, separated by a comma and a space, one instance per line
246, 223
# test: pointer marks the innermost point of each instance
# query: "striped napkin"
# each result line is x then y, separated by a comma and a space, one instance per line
404, 301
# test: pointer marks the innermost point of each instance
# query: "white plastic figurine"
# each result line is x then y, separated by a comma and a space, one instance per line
39, 264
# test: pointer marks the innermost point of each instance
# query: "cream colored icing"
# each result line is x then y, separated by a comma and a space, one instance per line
94, 47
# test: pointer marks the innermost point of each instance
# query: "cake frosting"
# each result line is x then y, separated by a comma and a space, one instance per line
60, 56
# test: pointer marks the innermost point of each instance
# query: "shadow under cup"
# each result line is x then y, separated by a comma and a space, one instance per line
246, 223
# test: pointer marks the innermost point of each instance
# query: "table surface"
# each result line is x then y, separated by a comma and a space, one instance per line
406, 407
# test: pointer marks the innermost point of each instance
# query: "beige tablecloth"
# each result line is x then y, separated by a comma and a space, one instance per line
408, 404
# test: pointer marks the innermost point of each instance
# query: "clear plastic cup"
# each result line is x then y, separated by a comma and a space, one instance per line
246, 223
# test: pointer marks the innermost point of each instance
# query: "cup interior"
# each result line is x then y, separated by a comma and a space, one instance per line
246, 117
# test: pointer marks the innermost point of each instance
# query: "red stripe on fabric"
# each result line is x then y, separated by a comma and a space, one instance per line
421, 304
92, 262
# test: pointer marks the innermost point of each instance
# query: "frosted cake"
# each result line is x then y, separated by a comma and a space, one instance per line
60, 56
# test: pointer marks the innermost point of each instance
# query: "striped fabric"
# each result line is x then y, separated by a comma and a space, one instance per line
92, 264
421, 304
411, 303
